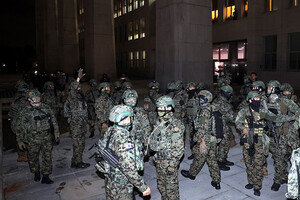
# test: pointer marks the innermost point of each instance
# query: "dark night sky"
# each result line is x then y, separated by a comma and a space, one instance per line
17, 31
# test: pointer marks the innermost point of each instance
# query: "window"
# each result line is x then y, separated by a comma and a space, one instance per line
214, 15
142, 28
270, 52
131, 60
214, 10
130, 31
294, 3
215, 52
230, 11
245, 9
137, 58
142, 3
115, 10
241, 50
130, 5
294, 51
271, 5
136, 29
224, 51
124, 7
120, 9
136, 4
143, 56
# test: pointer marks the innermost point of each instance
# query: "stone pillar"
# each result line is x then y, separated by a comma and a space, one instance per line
183, 41
99, 38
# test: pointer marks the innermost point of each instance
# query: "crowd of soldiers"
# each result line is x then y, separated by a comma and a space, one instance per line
267, 119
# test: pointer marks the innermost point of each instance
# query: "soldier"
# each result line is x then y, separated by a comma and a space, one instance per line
75, 109
91, 95
249, 122
246, 88
49, 97
119, 182
37, 127
103, 106
223, 105
167, 141
288, 91
117, 93
294, 176
149, 101
200, 86
20, 101
205, 139
140, 125
126, 85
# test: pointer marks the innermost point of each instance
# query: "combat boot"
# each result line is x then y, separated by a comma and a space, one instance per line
256, 192
228, 163
37, 176
223, 167
82, 165
187, 174
216, 185
249, 186
92, 135
46, 179
275, 187
73, 165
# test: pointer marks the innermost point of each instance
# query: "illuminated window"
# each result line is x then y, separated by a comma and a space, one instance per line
130, 31
131, 59
216, 53
214, 14
271, 5
142, 28
241, 50
142, 3
294, 51
124, 7
137, 58
230, 10
270, 52
143, 58
116, 11
120, 9
136, 4
246, 6
294, 3
130, 5
224, 51
136, 29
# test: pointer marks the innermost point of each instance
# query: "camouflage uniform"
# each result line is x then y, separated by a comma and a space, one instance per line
205, 139
49, 97
91, 95
103, 106
34, 128
117, 93
167, 140
293, 182
149, 101
75, 109
246, 88
119, 183
20, 101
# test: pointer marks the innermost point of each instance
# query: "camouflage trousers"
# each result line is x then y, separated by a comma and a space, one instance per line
92, 116
117, 188
255, 164
78, 129
167, 179
201, 158
152, 117
223, 147
43, 146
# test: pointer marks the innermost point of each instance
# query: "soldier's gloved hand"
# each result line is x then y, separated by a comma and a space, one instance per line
21, 146
80, 74
147, 192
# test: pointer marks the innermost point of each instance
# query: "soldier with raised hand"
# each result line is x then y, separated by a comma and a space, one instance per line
223, 105
91, 95
103, 106
37, 127
140, 125
75, 109
205, 138
20, 101
167, 141
119, 182
117, 93
49, 97
150, 100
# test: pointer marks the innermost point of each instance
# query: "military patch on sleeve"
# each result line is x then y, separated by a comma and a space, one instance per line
126, 146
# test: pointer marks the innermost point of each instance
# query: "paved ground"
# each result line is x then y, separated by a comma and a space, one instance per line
88, 184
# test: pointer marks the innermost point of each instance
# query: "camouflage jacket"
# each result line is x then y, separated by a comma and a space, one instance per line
34, 124
294, 176
91, 95
150, 100
192, 106
180, 98
103, 106
15, 111
51, 100
244, 91
123, 144
140, 126
75, 108
226, 109
167, 139
117, 97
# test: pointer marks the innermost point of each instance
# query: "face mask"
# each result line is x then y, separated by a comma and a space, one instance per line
203, 101
269, 91
227, 95
35, 102
165, 115
191, 93
255, 105
130, 102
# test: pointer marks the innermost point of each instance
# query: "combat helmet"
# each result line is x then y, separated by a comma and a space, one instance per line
33, 93
117, 84
92, 81
126, 85
103, 85
200, 86
287, 87
153, 84
130, 97
74, 85
205, 96
165, 101
252, 95
259, 85
274, 84
49, 85
190, 84
247, 79
119, 112
227, 88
